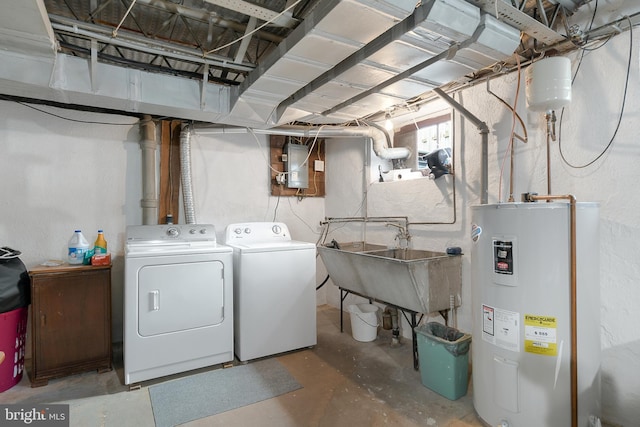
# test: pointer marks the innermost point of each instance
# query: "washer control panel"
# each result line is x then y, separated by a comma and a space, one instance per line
171, 233
257, 232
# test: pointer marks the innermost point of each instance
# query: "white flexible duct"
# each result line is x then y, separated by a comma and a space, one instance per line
381, 140
185, 175
148, 146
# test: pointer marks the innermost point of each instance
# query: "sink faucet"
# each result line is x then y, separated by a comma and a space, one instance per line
402, 236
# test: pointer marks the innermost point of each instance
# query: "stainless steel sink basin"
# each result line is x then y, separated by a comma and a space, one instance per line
405, 254
418, 280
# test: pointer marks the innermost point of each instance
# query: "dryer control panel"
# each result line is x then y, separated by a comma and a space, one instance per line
171, 233
257, 232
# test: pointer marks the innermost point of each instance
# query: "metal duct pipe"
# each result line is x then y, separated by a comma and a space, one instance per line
185, 175
381, 140
148, 146
484, 131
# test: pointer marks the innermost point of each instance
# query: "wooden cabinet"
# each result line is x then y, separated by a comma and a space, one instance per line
70, 321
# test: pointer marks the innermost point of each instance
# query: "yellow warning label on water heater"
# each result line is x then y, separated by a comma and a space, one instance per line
540, 335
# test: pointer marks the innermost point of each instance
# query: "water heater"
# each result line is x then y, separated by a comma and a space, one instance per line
521, 275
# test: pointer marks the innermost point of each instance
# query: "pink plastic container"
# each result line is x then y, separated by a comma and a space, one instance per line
13, 331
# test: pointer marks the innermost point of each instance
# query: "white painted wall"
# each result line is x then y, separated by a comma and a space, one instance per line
58, 175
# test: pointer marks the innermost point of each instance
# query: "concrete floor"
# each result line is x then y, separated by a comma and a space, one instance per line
344, 383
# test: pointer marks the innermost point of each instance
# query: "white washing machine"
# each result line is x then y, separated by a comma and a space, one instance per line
178, 300
274, 290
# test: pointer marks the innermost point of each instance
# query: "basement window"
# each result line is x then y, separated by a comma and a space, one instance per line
433, 134
430, 142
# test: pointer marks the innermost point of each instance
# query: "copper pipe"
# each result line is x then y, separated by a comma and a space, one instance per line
548, 159
551, 136
572, 300
513, 155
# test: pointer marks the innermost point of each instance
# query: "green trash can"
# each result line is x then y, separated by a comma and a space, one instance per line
443, 354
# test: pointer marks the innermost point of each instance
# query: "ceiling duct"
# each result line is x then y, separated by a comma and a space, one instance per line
32, 33
328, 36
330, 69
338, 69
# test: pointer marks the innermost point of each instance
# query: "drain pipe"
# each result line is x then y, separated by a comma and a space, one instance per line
148, 146
185, 175
395, 326
484, 131
381, 140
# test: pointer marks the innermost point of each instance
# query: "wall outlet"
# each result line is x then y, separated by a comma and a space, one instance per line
318, 165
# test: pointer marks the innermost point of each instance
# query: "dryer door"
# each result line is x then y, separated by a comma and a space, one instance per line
181, 296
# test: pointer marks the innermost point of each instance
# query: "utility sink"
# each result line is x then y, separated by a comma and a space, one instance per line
418, 280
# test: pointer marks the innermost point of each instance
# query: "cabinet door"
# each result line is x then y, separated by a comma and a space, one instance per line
72, 313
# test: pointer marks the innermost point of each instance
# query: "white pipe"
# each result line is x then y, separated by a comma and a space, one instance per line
185, 175
148, 146
380, 138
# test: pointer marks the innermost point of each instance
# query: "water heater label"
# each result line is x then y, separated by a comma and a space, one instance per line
540, 335
500, 327
503, 257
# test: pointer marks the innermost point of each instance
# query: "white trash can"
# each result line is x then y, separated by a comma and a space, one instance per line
364, 322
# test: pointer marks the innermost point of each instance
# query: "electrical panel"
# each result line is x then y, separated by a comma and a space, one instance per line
296, 166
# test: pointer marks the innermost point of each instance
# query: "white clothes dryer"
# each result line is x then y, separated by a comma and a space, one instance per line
178, 300
274, 290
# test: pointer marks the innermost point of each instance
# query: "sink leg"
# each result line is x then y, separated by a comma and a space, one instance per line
343, 295
445, 316
415, 341
413, 322
341, 304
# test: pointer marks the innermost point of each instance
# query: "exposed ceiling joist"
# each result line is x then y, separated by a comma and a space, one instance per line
262, 13
140, 43
208, 17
